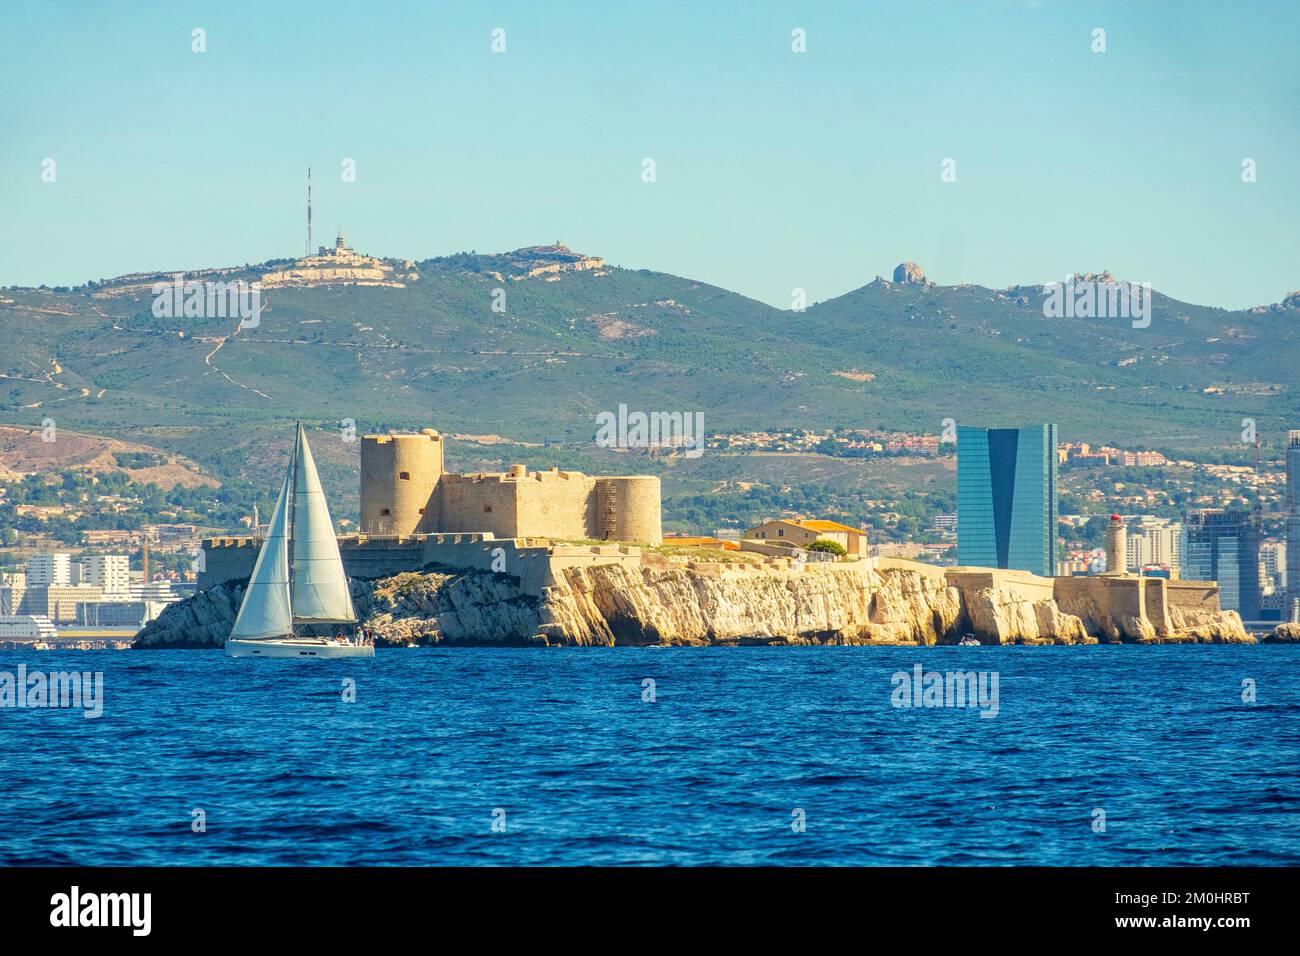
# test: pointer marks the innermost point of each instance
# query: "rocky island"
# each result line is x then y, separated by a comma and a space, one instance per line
544, 558
622, 596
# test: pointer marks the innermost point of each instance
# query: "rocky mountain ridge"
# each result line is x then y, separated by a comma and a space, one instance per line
474, 334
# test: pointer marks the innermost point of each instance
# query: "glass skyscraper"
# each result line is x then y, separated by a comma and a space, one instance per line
1223, 546
1292, 523
1006, 498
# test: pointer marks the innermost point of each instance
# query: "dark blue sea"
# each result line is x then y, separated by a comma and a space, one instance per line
788, 756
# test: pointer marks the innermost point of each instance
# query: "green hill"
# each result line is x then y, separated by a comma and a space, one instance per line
572, 344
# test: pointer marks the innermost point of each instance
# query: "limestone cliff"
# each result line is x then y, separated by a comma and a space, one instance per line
711, 603
459, 607
673, 602
1010, 619
1207, 627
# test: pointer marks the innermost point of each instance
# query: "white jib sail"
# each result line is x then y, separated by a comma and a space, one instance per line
265, 611
320, 588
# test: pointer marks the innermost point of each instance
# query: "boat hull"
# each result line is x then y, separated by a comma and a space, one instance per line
298, 648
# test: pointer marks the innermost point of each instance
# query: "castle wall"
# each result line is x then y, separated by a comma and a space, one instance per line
1112, 607
1128, 602
537, 564
1023, 586
469, 503
558, 504
1195, 596
1193, 603
225, 559
1157, 604
406, 490
553, 504
390, 503
1086, 600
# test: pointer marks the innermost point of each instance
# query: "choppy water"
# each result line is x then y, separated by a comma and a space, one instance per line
710, 772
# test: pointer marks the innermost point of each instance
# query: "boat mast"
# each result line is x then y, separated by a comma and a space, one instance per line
293, 494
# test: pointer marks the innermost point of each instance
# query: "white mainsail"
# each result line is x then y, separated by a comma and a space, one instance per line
320, 588
265, 611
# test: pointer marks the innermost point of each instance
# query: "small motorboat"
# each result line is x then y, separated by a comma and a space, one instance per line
968, 640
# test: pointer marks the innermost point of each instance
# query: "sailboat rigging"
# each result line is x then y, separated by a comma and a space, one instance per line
298, 577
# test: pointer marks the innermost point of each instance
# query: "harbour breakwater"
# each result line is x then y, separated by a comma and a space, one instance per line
625, 597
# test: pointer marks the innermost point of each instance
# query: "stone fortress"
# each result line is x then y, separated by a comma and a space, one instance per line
564, 564
405, 490
415, 513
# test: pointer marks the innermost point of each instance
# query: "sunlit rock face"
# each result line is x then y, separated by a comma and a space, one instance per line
667, 602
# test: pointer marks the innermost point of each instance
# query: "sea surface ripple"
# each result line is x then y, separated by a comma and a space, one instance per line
561, 747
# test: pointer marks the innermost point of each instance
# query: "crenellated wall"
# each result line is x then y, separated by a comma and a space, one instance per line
535, 561
231, 558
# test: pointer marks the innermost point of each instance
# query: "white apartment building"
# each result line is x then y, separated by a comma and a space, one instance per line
1272, 565
1155, 541
54, 567
109, 572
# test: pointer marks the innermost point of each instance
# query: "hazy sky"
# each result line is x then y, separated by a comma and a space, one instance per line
775, 169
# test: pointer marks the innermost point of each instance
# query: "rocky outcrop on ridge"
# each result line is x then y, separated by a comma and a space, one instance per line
909, 273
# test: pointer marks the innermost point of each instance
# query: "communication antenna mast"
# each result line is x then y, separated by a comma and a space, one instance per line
308, 252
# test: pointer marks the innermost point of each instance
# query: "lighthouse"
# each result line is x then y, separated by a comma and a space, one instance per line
1116, 546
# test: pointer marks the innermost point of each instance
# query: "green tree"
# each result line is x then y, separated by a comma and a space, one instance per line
829, 546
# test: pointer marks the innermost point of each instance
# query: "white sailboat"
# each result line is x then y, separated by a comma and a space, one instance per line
298, 577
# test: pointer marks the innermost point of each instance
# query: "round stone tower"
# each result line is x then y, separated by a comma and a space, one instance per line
1116, 546
399, 474
627, 509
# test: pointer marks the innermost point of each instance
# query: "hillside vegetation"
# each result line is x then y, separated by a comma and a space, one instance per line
573, 344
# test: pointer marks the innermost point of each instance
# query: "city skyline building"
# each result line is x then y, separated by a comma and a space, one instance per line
111, 573
1292, 525
1223, 546
1272, 565
1155, 541
1007, 504
50, 567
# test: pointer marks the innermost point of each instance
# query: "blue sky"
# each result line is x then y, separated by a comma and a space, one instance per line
775, 170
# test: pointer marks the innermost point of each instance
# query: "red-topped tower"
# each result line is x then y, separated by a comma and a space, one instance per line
1116, 546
